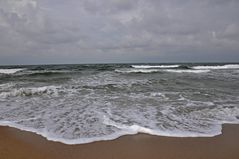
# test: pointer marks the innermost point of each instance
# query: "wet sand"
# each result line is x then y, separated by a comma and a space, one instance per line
16, 144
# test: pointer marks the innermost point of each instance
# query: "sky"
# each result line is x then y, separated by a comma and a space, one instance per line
118, 31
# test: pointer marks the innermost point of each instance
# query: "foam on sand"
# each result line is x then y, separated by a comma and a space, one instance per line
123, 130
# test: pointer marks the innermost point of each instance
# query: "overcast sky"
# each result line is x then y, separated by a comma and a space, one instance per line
101, 31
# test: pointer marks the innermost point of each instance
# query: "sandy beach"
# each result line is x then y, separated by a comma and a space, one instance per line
16, 144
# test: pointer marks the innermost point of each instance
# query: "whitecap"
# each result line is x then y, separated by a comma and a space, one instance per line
30, 91
10, 71
137, 70
6, 85
231, 66
187, 71
154, 66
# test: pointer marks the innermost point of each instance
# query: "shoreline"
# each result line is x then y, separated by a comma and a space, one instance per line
18, 144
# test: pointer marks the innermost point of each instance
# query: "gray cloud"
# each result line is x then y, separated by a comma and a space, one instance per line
73, 31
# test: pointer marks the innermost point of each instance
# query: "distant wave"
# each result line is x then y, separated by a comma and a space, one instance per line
235, 66
161, 70
154, 66
184, 67
137, 70
10, 71
187, 71
45, 72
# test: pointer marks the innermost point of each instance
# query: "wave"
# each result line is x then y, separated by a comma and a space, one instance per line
184, 67
231, 66
206, 67
135, 129
50, 90
6, 85
187, 71
161, 70
154, 66
45, 73
51, 137
123, 130
137, 70
65, 121
10, 71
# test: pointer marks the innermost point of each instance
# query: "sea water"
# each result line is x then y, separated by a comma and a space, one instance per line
77, 104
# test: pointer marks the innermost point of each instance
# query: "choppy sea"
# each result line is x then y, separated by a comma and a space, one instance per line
77, 104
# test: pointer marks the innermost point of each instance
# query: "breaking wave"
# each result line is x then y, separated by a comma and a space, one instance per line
154, 66
161, 70
187, 71
50, 90
10, 71
231, 66
46, 73
137, 70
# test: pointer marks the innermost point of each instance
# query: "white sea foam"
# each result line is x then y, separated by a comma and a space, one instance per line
6, 86
160, 95
123, 130
187, 71
154, 66
142, 121
137, 70
52, 137
10, 71
30, 91
47, 71
232, 66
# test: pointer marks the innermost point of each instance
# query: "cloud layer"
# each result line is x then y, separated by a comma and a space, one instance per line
96, 31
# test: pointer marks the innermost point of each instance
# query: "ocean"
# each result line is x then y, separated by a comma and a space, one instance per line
76, 104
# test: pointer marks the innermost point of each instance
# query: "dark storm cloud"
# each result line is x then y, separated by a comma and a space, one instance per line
73, 31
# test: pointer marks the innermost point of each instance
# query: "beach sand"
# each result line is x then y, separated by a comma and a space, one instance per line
16, 144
